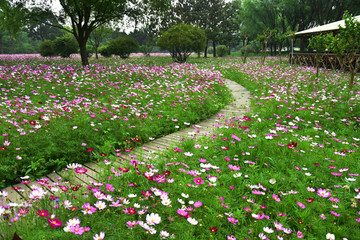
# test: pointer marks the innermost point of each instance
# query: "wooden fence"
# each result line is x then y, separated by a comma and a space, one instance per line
327, 60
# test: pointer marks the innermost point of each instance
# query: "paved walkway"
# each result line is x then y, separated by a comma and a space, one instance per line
236, 109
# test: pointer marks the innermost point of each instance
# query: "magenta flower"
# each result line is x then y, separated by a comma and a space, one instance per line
233, 220
109, 188
197, 204
54, 223
198, 181
182, 213
81, 170
299, 234
43, 213
301, 205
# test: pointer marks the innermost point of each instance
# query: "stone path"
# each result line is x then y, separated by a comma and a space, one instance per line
236, 109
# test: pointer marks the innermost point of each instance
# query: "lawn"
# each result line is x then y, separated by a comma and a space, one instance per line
287, 170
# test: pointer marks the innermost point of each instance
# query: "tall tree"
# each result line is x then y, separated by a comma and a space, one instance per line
87, 15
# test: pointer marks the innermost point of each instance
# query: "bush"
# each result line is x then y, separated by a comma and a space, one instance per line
47, 48
210, 50
250, 49
146, 50
104, 51
121, 46
65, 46
222, 51
181, 40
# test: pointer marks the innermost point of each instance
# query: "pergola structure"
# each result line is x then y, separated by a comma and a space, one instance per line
328, 60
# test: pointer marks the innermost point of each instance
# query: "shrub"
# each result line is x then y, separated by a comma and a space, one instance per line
210, 50
222, 50
104, 51
146, 50
122, 46
47, 48
181, 40
65, 46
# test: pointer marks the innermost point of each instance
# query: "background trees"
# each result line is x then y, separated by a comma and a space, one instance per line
181, 40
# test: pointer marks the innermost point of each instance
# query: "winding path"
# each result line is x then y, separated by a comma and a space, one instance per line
236, 109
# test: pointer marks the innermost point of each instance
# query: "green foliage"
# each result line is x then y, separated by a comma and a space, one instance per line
122, 46
65, 46
347, 44
222, 50
47, 49
210, 50
321, 43
105, 51
181, 40
146, 50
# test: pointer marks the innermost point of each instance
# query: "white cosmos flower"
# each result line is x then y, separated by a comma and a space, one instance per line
236, 175
330, 236
192, 221
166, 202
132, 195
350, 179
153, 219
184, 195
268, 230
272, 181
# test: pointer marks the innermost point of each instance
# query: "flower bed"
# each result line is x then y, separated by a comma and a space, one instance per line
54, 112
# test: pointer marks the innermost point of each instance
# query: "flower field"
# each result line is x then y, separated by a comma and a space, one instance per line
54, 112
287, 170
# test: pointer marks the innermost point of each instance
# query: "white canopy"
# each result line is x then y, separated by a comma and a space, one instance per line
324, 28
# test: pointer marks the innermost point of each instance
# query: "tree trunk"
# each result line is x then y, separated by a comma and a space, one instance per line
206, 48
245, 51
83, 53
352, 76
280, 47
96, 53
214, 46
302, 45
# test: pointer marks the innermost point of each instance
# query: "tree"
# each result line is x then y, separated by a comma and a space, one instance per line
65, 46
208, 15
320, 43
12, 16
98, 36
347, 44
122, 46
280, 39
181, 40
87, 15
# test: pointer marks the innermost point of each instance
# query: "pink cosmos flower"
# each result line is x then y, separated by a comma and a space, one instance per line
299, 234
233, 220
131, 224
276, 197
197, 204
77, 230
323, 193
109, 188
301, 205
88, 209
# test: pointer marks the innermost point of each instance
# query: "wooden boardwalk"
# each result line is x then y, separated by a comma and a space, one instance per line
19, 193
